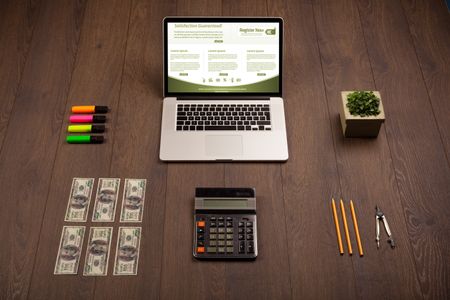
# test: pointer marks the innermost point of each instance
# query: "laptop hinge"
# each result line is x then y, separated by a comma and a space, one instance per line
223, 98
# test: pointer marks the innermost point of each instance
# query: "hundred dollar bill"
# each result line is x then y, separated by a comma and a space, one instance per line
69, 252
80, 197
127, 252
106, 199
97, 252
133, 200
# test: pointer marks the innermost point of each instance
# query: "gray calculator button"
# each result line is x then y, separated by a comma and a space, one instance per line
241, 224
249, 230
221, 243
242, 247
229, 249
250, 247
229, 224
221, 249
212, 236
249, 224
241, 230
249, 236
221, 236
230, 243
241, 237
229, 230
213, 243
229, 236
211, 249
221, 230
212, 230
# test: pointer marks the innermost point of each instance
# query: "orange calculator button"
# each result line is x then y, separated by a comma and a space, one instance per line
201, 224
200, 249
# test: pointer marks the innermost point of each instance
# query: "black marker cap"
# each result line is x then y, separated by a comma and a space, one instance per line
97, 128
98, 119
101, 109
96, 139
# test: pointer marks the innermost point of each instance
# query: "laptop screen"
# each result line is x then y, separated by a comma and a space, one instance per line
223, 56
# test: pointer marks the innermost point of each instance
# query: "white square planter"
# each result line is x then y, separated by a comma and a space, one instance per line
357, 126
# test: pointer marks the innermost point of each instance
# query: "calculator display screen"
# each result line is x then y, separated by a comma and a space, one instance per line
219, 203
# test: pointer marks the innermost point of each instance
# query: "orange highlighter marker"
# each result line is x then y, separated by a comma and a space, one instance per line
89, 109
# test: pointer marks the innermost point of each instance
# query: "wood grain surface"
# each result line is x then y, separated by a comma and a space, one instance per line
17, 22
341, 73
55, 54
97, 74
420, 164
429, 26
32, 139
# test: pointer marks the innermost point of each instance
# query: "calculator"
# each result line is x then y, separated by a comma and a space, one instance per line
225, 223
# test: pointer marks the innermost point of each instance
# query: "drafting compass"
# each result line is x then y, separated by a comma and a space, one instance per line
379, 215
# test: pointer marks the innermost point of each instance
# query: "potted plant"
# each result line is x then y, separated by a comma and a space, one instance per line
362, 113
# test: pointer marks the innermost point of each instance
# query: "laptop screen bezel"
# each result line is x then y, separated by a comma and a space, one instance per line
222, 20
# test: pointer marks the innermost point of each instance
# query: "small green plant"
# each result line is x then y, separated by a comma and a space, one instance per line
363, 104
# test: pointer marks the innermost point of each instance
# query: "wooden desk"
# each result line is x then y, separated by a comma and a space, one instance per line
55, 54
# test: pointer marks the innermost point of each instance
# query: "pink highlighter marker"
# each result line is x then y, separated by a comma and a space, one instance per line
87, 119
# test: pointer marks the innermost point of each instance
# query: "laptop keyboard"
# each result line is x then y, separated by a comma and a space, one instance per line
244, 117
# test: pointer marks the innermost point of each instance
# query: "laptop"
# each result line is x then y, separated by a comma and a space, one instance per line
223, 89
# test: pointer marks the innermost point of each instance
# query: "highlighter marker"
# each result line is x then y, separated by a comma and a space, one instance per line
84, 139
89, 109
86, 128
87, 119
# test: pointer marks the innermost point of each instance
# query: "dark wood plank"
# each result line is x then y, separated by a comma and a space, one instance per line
271, 268
17, 22
346, 66
32, 139
182, 276
429, 24
421, 168
199, 7
244, 8
310, 177
96, 80
136, 147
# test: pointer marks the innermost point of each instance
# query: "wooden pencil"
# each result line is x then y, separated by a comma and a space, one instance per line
347, 235
355, 223
338, 231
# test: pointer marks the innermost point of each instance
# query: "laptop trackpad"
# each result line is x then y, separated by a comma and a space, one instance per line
223, 146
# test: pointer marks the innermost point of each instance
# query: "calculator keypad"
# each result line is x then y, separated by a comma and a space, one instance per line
225, 236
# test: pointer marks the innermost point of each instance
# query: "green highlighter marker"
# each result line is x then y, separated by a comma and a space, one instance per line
86, 128
84, 139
